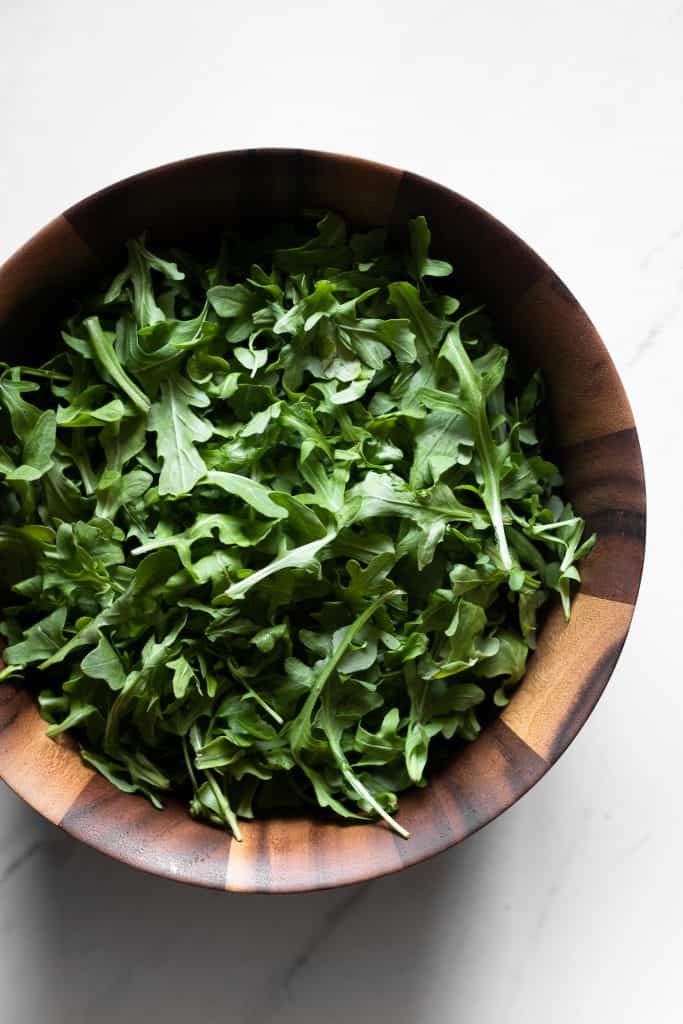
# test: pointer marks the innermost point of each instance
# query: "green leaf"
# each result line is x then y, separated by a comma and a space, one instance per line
509, 661
126, 490
236, 303
301, 557
383, 746
443, 439
252, 493
85, 410
38, 448
105, 356
22, 414
475, 389
397, 335
138, 271
420, 264
329, 249
40, 640
103, 662
178, 430
181, 334
427, 329
183, 676
417, 748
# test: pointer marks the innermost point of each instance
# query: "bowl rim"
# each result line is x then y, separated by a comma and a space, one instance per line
17, 703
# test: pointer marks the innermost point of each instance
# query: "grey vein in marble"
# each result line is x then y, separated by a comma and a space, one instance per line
648, 342
661, 247
286, 979
23, 858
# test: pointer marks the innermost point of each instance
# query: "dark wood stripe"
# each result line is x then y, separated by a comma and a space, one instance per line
604, 481
614, 568
482, 780
362, 191
167, 843
163, 201
36, 288
606, 471
488, 258
434, 824
9, 707
504, 762
192, 200
616, 520
550, 331
8, 721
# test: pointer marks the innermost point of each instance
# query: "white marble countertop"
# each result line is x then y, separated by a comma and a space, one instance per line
565, 121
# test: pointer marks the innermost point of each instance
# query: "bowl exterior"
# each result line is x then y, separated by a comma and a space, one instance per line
598, 452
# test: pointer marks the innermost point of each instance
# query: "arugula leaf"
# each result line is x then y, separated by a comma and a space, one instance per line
420, 264
102, 662
475, 388
138, 272
250, 492
300, 557
40, 640
107, 360
178, 429
38, 448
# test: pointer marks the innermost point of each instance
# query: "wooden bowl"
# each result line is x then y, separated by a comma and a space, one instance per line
598, 452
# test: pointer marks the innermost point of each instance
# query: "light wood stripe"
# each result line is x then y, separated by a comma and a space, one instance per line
49, 775
569, 670
554, 333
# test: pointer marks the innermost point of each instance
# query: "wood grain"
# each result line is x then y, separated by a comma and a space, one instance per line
567, 674
36, 282
598, 449
584, 391
48, 775
605, 482
299, 854
50, 260
192, 199
167, 843
366, 192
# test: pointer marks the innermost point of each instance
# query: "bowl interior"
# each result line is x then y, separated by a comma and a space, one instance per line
597, 449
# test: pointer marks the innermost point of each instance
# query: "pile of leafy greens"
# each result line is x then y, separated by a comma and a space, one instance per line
278, 522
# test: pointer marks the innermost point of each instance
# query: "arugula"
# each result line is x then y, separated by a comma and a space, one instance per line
280, 527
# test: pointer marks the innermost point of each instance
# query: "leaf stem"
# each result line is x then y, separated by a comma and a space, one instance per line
483, 438
82, 459
239, 676
294, 558
224, 805
302, 722
526, 550
188, 763
303, 718
107, 360
354, 781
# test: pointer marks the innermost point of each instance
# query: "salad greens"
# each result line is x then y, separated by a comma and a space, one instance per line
279, 524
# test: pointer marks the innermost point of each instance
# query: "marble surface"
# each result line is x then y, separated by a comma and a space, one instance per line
564, 120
